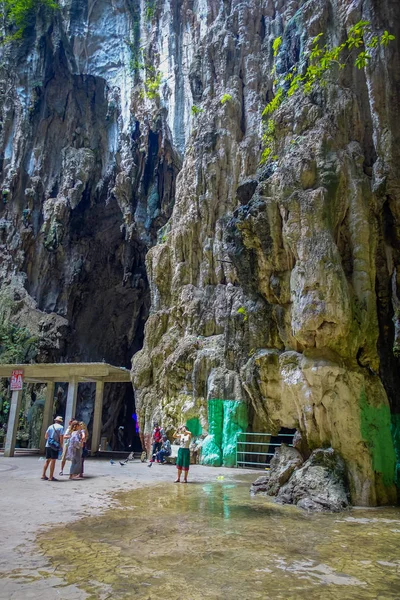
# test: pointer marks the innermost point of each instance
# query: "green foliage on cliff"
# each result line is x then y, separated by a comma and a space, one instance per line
322, 61
149, 9
276, 45
152, 85
196, 110
226, 98
17, 344
19, 13
136, 61
242, 311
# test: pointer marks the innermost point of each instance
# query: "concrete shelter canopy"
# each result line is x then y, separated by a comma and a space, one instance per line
60, 372
51, 373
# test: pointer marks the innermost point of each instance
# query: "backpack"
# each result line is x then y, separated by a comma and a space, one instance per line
54, 444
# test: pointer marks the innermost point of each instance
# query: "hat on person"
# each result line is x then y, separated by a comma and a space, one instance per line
58, 420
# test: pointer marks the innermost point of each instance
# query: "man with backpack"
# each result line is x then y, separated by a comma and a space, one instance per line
54, 440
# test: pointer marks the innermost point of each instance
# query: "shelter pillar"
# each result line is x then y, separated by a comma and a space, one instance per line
97, 416
12, 427
70, 409
47, 413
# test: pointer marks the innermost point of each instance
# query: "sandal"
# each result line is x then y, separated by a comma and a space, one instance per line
177, 481
54, 479
61, 473
44, 478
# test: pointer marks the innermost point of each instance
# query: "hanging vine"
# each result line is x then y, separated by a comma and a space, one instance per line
322, 62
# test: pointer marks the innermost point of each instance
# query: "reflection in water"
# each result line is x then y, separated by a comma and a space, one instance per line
214, 542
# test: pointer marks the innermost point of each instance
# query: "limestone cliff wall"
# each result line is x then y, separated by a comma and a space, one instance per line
131, 194
86, 182
278, 286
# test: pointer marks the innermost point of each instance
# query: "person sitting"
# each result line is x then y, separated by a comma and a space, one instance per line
165, 450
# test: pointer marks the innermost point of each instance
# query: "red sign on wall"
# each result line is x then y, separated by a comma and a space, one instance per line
17, 379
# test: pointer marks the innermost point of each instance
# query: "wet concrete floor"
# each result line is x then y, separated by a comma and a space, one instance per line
213, 541
205, 540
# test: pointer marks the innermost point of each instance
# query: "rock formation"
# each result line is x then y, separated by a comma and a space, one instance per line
277, 286
132, 193
318, 484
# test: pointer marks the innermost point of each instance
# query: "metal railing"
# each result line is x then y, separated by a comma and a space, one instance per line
242, 445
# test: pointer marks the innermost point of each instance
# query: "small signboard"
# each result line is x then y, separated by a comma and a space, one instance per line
17, 379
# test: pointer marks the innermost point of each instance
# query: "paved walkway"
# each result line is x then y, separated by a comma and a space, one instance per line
29, 505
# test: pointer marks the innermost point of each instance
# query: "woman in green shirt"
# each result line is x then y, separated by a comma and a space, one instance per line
183, 459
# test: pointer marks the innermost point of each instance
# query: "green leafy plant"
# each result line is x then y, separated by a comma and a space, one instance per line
322, 62
242, 311
152, 84
386, 37
276, 45
19, 14
196, 110
136, 61
5, 194
226, 98
268, 139
149, 9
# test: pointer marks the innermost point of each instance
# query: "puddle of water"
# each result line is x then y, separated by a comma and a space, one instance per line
213, 541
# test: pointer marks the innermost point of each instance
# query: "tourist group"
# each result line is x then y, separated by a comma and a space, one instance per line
71, 446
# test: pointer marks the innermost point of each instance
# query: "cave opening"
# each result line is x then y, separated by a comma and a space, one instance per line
97, 280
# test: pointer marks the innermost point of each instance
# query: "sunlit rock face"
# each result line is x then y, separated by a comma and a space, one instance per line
132, 193
278, 285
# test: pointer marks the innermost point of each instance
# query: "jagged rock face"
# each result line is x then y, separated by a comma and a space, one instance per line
283, 464
278, 286
86, 183
320, 484
88, 172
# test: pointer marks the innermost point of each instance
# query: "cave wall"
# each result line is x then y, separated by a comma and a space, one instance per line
134, 214
277, 286
87, 180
